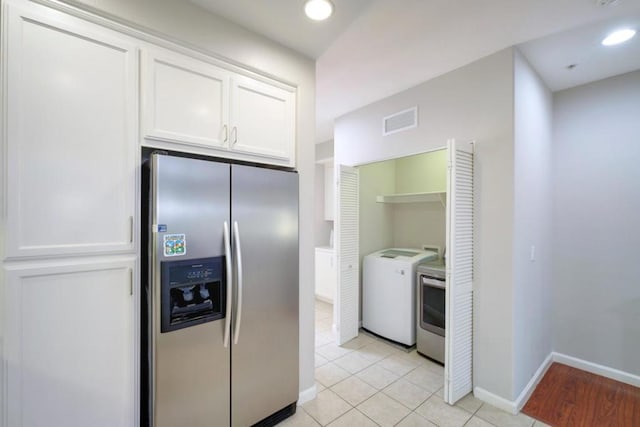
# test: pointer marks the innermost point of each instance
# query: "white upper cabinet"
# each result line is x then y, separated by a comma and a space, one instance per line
185, 100
262, 119
71, 135
211, 110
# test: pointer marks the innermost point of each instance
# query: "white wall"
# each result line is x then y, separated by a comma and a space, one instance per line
324, 150
189, 25
596, 235
473, 102
532, 302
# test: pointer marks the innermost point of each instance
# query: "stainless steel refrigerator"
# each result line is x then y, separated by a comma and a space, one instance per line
222, 330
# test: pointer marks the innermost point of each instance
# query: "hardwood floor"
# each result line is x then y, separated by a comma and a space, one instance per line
570, 397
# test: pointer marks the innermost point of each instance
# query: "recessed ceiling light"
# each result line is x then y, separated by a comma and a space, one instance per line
318, 10
618, 37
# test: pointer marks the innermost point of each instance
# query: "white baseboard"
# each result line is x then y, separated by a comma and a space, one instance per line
594, 368
306, 395
512, 406
515, 406
535, 380
495, 400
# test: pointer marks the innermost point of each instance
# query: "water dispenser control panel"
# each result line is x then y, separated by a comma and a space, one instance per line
192, 292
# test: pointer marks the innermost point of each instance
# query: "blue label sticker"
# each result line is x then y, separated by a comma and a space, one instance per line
162, 228
175, 244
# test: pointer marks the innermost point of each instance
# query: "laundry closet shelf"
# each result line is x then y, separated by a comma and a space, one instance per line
435, 196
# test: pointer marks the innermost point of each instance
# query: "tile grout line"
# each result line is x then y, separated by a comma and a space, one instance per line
366, 416
412, 410
375, 363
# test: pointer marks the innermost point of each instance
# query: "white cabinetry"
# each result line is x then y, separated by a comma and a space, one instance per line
69, 259
71, 135
262, 119
69, 345
325, 274
185, 100
196, 103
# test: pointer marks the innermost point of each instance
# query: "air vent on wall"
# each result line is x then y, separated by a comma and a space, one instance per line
403, 120
607, 2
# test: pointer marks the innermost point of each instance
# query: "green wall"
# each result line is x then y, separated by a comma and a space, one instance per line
422, 173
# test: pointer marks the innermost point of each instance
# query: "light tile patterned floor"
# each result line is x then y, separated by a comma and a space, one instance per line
368, 382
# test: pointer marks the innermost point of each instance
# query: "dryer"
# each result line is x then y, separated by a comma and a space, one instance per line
389, 292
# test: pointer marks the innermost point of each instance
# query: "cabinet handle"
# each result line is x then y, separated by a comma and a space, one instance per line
235, 135
226, 133
130, 229
131, 281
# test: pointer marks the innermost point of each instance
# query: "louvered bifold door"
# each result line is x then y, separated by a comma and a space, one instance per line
348, 294
459, 284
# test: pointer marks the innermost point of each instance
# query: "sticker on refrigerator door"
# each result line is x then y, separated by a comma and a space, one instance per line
175, 244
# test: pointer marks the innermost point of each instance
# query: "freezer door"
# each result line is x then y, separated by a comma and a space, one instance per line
264, 366
190, 366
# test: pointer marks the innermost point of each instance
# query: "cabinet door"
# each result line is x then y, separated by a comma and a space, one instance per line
332, 278
184, 100
322, 268
70, 345
262, 120
348, 255
325, 274
71, 135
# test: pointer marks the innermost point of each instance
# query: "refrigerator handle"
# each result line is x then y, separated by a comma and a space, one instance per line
236, 236
227, 256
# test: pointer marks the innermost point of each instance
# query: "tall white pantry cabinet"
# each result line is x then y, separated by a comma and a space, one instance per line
74, 117
69, 216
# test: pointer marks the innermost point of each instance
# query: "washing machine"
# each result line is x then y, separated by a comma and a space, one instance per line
389, 292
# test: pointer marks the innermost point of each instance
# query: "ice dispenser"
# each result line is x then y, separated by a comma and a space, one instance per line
192, 292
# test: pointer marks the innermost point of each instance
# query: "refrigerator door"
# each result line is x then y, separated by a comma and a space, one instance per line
190, 367
264, 364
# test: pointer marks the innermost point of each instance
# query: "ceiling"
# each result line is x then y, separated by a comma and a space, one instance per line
284, 21
371, 49
576, 57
